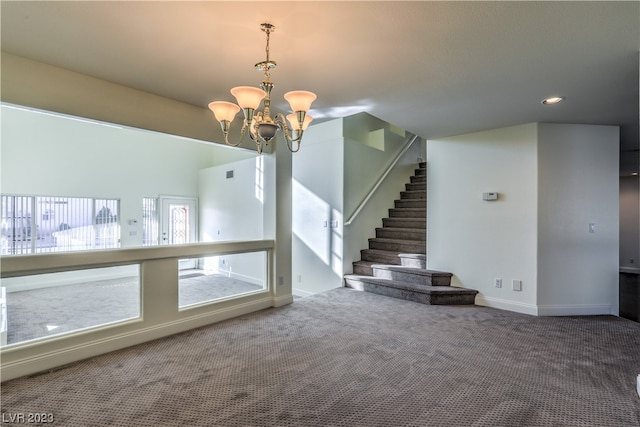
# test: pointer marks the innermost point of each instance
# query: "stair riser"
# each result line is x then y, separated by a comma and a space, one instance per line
413, 195
453, 299
366, 255
413, 262
420, 172
417, 179
410, 203
416, 248
408, 213
419, 186
362, 270
390, 292
386, 233
407, 277
403, 223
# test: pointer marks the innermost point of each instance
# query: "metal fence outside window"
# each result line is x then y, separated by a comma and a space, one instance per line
40, 224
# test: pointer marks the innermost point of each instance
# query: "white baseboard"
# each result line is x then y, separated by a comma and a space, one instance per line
574, 310
248, 279
301, 293
503, 304
282, 300
73, 353
545, 310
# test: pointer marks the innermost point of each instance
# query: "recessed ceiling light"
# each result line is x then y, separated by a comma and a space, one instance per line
553, 100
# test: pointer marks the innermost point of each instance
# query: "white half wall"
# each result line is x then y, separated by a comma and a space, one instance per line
476, 240
578, 180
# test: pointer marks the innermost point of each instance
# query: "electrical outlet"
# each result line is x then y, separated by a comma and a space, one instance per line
281, 280
498, 283
516, 285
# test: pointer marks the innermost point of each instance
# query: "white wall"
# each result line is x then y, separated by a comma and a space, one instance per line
44, 86
578, 179
232, 209
479, 241
317, 200
49, 154
554, 180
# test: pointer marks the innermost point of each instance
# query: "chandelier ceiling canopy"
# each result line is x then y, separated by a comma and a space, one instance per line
261, 126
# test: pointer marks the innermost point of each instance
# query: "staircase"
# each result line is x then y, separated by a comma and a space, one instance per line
395, 263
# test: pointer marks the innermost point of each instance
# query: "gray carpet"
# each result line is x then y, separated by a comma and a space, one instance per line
348, 358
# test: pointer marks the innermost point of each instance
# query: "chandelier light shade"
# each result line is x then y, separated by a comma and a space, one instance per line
248, 96
300, 100
262, 128
224, 111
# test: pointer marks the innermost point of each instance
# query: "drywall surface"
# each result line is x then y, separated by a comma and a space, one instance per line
578, 219
477, 240
40, 85
317, 209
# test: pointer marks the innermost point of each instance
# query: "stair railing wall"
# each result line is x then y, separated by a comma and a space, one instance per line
410, 140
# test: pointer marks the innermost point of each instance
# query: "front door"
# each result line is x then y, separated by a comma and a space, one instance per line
179, 216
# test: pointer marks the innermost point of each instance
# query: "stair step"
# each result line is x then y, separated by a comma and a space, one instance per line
363, 268
398, 245
401, 233
433, 295
404, 222
413, 195
413, 260
420, 172
422, 165
408, 212
410, 203
420, 178
380, 256
419, 276
416, 186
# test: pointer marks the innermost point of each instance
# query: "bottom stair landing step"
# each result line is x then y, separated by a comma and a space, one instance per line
431, 295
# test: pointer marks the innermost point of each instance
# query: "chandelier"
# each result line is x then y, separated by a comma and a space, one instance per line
262, 128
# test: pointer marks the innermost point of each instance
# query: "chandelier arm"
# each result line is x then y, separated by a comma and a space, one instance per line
286, 130
242, 132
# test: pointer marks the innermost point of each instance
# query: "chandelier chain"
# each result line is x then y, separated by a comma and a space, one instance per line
267, 72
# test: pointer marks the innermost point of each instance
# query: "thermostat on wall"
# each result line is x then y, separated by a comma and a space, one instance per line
489, 196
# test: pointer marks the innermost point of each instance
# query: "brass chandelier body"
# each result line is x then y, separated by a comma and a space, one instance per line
261, 126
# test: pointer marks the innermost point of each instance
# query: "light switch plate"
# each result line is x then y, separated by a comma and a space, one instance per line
516, 285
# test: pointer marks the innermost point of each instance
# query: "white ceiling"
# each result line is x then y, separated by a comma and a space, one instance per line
434, 68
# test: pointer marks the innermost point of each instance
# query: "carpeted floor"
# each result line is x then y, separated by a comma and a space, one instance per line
348, 358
